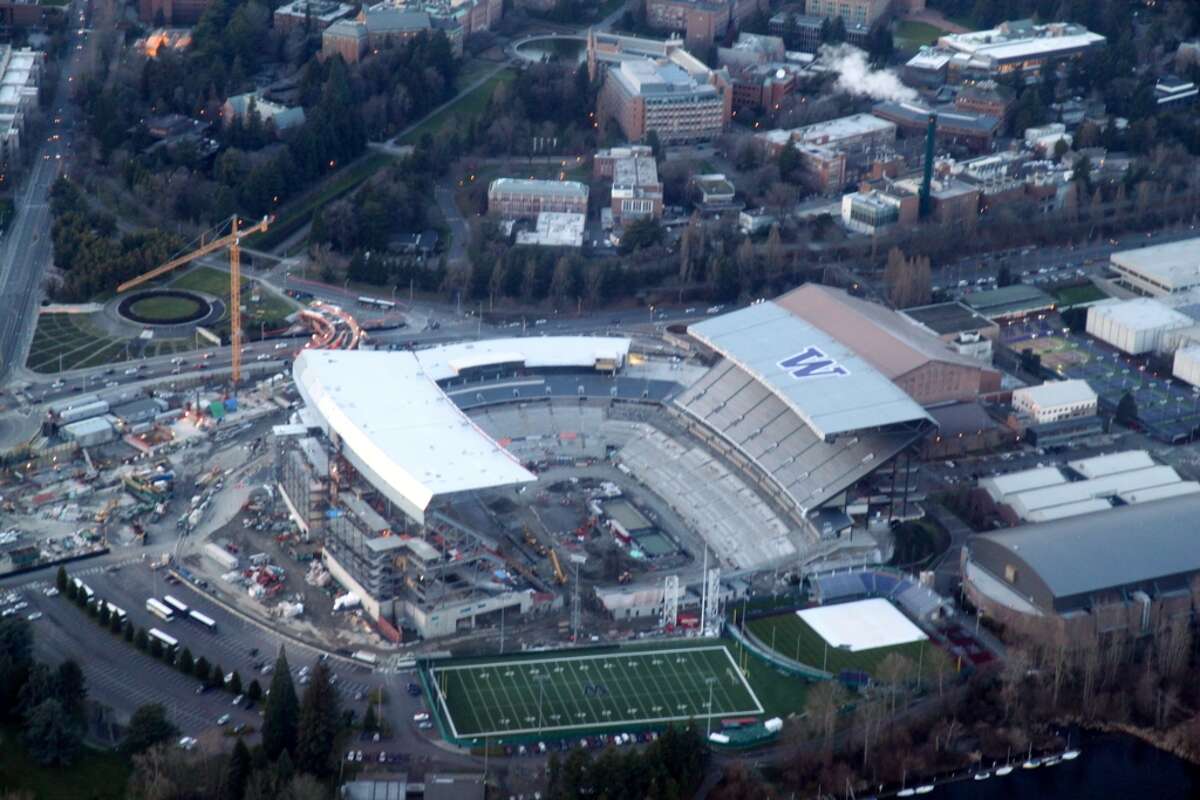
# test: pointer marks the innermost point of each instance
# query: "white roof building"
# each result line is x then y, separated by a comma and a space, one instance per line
1055, 400
600, 353
1162, 268
396, 426
1135, 326
555, 229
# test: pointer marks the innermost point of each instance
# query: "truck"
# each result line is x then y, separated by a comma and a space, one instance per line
364, 656
223, 557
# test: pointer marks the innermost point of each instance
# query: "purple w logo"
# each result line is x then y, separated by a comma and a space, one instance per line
812, 363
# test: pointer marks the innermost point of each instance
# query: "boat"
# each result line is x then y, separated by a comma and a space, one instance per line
1005, 770
924, 788
1051, 761
982, 776
1070, 755
906, 793
1030, 761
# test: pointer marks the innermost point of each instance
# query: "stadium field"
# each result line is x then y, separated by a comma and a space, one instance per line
559, 694
793, 638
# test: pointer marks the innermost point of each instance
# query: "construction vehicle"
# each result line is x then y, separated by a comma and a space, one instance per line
559, 575
232, 241
102, 514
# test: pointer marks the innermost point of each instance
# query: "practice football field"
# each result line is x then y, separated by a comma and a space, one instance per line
606, 690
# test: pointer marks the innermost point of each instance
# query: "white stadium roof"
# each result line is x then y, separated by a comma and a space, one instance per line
824, 382
535, 352
399, 429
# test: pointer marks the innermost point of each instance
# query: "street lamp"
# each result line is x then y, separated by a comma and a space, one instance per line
708, 715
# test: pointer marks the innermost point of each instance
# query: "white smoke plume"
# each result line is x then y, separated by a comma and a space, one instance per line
856, 76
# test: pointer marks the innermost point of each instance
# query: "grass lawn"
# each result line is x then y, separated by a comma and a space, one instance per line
95, 776
471, 104
82, 344
793, 638
216, 282
165, 309
910, 35
1077, 295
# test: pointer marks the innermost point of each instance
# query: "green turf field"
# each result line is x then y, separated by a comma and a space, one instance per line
562, 693
1077, 295
792, 638
165, 309
911, 34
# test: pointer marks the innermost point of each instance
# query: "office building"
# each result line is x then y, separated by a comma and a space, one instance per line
677, 97
518, 198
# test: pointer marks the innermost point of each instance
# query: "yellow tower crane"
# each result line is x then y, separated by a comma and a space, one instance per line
233, 241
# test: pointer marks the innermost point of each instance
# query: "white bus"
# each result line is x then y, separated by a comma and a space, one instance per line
175, 605
168, 642
116, 612
159, 610
202, 620
364, 656
371, 302
80, 586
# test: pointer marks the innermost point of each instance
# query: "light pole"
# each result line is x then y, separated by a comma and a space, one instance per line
651, 315
541, 682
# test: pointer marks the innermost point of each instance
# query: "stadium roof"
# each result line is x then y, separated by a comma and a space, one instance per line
535, 352
892, 343
1175, 265
1117, 547
823, 381
399, 429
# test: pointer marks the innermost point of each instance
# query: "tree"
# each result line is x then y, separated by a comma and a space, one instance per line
216, 676
235, 683
147, 727
127, 631
318, 724
115, 625
186, 662
1004, 277
254, 691
70, 591
237, 771
16, 660
50, 735
141, 640
370, 719
60, 580
1127, 410
201, 669
71, 690
281, 712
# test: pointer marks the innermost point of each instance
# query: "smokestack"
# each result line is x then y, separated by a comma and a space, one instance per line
927, 180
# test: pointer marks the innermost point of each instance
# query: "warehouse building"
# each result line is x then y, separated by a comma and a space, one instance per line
1010, 302
1129, 570
1055, 400
1161, 269
1137, 326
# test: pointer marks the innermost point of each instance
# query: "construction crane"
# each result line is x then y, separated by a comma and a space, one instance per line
233, 241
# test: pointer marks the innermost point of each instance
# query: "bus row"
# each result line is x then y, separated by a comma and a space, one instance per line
80, 586
167, 608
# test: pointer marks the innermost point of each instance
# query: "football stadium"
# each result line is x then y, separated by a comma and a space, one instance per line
467, 486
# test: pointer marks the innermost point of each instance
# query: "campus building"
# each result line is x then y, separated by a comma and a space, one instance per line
20, 74
1161, 269
700, 21
386, 25
636, 190
835, 152
518, 198
1054, 401
317, 15
174, 13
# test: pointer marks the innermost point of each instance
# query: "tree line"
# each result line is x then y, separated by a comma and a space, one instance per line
670, 768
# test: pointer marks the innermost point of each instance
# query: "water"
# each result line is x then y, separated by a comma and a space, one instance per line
568, 50
1111, 768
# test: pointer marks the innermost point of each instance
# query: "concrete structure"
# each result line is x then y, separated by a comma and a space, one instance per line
518, 198
89, 432
1055, 400
1175, 92
1126, 570
20, 74
273, 115
317, 15
678, 98
872, 211
1136, 326
1186, 365
555, 229
1160, 269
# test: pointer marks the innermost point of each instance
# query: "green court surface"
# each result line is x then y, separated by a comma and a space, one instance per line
564, 693
793, 638
165, 309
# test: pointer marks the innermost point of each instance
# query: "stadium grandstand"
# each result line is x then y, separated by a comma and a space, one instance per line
858, 583
806, 414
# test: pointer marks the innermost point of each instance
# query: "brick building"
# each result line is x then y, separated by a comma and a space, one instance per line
317, 14
636, 190
700, 21
516, 198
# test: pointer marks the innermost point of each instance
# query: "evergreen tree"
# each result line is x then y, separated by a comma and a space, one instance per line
50, 736
318, 724
71, 690
202, 669
186, 662
285, 770
141, 640
282, 710
254, 691
1127, 410
370, 720
115, 625
237, 771
148, 726
235, 683
127, 631
60, 580
216, 676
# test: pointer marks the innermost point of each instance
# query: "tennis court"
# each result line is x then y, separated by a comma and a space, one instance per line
560, 694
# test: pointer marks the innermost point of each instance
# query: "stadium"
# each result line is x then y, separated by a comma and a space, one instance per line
462, 485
